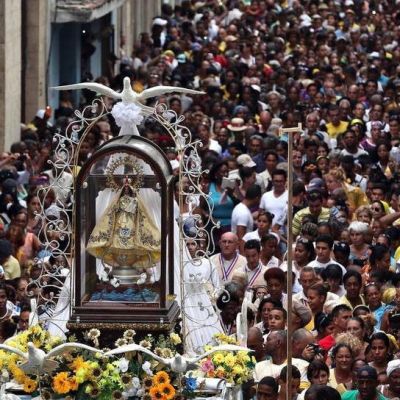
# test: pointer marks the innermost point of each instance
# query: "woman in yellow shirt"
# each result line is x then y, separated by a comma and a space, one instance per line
336, 179
316, 295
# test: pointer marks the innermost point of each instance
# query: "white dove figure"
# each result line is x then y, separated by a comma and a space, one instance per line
37, 361
179, 364
128, 95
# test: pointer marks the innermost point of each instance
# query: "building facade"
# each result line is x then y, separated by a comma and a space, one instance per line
55, 42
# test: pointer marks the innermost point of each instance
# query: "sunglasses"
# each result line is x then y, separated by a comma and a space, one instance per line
302, 240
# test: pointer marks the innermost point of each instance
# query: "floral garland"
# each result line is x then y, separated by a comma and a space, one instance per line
84, 375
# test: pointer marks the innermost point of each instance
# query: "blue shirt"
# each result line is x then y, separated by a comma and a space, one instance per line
221, 212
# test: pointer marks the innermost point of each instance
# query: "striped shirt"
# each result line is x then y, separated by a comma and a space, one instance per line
298, 218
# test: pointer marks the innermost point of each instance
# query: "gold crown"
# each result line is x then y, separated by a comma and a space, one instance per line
133, 174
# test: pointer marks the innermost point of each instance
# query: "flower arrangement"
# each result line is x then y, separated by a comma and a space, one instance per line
235, 368
9, 361
83, 374
88, 375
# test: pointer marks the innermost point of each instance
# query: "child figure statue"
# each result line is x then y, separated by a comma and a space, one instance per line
126, 237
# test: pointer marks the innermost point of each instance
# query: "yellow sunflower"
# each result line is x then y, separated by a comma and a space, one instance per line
29, 385
94, 391
148, 383
126, 379
167, 390
61, 383
117, 395
160, 377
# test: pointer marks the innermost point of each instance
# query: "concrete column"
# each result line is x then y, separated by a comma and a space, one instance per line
143, 11
10, 71
36, 55
126, 27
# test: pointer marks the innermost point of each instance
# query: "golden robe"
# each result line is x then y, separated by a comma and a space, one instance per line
126, 235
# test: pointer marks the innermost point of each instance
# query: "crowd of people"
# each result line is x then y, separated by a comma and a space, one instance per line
263, 65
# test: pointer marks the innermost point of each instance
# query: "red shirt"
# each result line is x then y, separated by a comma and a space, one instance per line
327, 342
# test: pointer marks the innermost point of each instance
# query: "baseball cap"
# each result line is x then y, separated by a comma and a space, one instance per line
245, 161
316, 184
367, 372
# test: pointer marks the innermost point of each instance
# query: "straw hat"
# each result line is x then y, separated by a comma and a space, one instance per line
237, 125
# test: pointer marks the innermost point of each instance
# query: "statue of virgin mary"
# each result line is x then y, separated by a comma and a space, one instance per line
126, 234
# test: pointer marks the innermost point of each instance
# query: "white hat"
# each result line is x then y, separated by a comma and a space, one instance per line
391, 366
274, 63
160, 21
373, 55
40, 113
174, 164
53, 211
245, 161
237, 125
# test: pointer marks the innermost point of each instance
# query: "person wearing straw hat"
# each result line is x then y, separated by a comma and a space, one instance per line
237, 126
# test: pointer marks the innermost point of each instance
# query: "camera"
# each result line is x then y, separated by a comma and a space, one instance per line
317, 349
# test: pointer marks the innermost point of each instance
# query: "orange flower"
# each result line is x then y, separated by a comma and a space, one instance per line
156, 393
29, 385
167, 390
61, 383
160, 377
74, 384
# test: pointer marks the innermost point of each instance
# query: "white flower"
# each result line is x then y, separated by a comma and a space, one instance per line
129, 333
127, 114
145, 343
146, 367
140, 392
136, 382
5, 376
123, 364
120, 342
93, 333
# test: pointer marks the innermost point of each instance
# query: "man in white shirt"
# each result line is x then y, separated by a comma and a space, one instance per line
253, 270
277, 350
323, 247
351, 147
275, 200
242, 219
229, 260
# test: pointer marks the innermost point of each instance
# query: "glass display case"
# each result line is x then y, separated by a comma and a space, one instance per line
124, 237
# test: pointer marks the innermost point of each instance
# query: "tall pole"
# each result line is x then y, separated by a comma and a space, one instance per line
289, 289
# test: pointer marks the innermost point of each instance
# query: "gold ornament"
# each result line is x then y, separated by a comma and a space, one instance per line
134, 176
